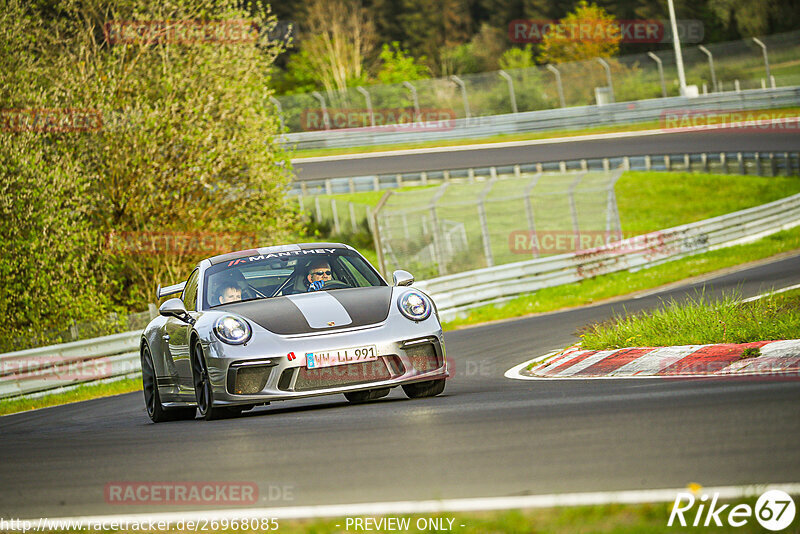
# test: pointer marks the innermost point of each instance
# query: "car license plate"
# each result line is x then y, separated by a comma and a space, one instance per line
316, 360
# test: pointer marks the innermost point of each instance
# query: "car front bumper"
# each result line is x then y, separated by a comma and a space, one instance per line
408, 352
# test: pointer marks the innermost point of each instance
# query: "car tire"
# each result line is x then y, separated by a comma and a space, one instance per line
203, 391
430, 388
357, 397
152, 398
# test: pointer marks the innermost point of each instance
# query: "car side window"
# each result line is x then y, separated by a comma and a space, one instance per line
189, 296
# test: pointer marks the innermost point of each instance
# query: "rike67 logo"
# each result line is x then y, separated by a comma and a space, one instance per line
774, 510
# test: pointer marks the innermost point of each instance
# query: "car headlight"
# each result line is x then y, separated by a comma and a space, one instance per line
414, 305
232, 330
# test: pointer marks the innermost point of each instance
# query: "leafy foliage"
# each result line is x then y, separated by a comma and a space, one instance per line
187, 144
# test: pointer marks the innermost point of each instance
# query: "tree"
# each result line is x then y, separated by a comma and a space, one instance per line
339, 37
187, 144
397, 66
586, 33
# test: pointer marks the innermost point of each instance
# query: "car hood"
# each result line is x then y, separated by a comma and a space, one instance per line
317, 311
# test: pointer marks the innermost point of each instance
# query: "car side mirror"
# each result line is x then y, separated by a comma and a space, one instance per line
174, 308
402, 278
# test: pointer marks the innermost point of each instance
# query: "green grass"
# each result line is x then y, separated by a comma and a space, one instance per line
606, 519
701, 320
655, 200
502, 138
607, 286
81, 393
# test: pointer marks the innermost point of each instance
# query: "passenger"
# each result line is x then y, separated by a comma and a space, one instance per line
229, 293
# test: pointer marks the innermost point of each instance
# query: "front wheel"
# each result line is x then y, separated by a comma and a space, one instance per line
431, 388
152, 399
203, 391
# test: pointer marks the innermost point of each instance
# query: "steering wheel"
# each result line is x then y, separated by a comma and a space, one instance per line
335, 284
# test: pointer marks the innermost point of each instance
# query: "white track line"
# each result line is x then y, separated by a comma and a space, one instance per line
430, 506
533, 142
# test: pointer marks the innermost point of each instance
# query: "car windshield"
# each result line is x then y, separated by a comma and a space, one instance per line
286, 273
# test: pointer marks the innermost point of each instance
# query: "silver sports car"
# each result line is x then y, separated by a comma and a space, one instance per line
288, 322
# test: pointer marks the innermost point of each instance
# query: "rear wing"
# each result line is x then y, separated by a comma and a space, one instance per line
162, 292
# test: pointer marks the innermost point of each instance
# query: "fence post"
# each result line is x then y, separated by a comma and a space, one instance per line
458, 81
414, 99
369, 104
336, 227
667, 162
647, 163
723, 159
353, 223
773, 170
351, 185
376, 183
399, 180
376, 234
423, 178
279, 109
437, 245
325, 117
742, 169
530, 215
446, 176
301, 203
558, 84
328, 186
604, 63
503, 74
517, 171
764, 50
707, 52
318, 209
487, 240
573, 209
660, 73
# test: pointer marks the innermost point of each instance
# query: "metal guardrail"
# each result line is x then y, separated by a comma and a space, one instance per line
549, 119
66, 364
460, 292
755, 163
56, 366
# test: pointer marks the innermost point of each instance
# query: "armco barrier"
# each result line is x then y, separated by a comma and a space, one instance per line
753, 163
460, 292
47, 368
66, 364
552, 119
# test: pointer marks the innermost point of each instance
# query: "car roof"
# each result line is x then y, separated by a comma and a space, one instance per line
275, 249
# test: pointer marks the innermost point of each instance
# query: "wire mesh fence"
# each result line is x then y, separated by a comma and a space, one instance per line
735, 65
484, 221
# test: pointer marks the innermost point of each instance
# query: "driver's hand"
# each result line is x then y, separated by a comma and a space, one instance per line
316, 286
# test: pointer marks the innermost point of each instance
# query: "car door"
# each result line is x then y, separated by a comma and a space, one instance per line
177, 338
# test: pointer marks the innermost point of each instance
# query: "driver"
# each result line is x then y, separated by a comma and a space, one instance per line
319, 272
229, 292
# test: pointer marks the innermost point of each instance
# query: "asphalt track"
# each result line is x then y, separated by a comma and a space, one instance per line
485, 436
731, 139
